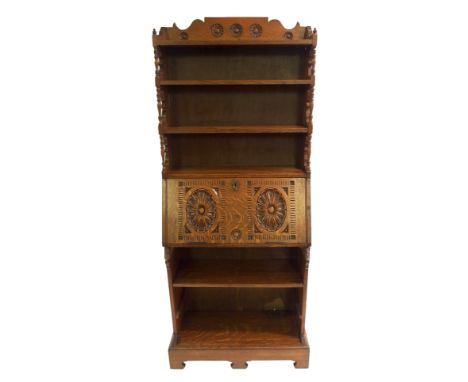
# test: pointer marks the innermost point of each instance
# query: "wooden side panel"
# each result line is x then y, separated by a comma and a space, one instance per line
230, 211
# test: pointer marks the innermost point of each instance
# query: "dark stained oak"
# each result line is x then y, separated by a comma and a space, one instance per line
259, 62
264, 151
235, 105
220, 273
240, 42
235, 97
235, 299
238, 357
233, 82
225, 330
236, 30
265, 129
240, 172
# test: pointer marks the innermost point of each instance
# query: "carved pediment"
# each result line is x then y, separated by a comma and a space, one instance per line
236, 29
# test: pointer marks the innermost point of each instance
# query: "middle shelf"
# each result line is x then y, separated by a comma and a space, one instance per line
235, 105
238, 268
220, 273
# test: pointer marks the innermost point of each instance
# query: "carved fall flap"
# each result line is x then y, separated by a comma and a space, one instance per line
249, 211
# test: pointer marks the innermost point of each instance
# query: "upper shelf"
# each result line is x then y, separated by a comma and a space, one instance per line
235, 31
229, 63
233, 42
235, 82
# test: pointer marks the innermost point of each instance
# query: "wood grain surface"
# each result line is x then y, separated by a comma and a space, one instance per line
238, 329
237, 30
238, 357
226, 63
256, 129
232, 82
237, 219
235, 97
234, 172
223, 273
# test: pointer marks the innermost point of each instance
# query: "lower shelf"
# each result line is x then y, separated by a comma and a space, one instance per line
239, 329
239, 337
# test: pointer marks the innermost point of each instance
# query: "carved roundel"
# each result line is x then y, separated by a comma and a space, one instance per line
217, 30
201, 210
271, 209
236, 30
236, 234
256, 30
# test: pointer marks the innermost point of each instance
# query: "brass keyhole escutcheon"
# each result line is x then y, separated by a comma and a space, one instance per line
235, 184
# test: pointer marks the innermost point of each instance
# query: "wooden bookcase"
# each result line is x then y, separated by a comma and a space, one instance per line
235, 100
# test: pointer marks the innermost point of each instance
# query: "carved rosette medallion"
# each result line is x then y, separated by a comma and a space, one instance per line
255, 30
271, 209
236, 234
217, 30
236, 30
201, 210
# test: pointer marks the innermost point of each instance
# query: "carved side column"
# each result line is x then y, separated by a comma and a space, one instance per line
312, 35
161, 102
309, 105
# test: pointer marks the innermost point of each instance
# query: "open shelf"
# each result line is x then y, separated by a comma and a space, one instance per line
234, 82
239, 299
241, 172
260, 129
238, 318
235, 329
238, 268
232, 153
235, 105
221, 273
235, 63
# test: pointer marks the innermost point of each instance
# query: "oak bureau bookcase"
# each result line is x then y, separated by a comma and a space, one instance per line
235, 100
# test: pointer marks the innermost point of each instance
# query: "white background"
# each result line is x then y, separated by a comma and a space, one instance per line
83, 292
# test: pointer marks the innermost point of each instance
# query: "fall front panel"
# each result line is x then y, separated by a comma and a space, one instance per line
233, 211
